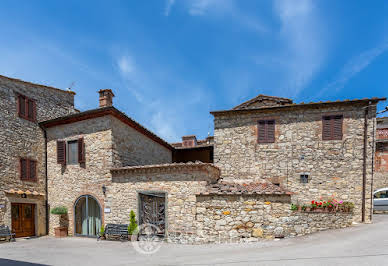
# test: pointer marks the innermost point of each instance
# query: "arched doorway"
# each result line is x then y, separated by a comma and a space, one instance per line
87, 216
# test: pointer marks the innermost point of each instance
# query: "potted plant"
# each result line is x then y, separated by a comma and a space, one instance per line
101, 234
304, 207
132, 227
61, 212
294, 207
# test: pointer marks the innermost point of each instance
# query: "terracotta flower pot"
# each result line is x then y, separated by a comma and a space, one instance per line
60, 231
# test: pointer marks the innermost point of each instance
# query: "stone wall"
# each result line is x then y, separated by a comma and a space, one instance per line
130, 147
180, 184
67, 183
380, 179
23, 138
236, 218
335, 167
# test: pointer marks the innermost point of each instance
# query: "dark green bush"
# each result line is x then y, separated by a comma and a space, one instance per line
59, 210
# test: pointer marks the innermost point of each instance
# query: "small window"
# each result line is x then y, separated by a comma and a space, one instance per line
266, 131
26, 108
332, 127
72, 154
304, 179
277, 184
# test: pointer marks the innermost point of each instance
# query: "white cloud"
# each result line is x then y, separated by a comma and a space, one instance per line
222, 10
354, 66
165, 102
167, 9
126, 64
304, 42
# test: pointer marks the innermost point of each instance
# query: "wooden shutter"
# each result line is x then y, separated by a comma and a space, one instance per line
271, 131
61, 152
32, 170
337, 127
30, 109
326, 128
266, 131
261, 136
81, 150
21, 106
23, 168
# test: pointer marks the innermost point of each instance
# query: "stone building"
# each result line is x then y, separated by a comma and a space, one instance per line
381, 161
22, 167
239, 184
314, 150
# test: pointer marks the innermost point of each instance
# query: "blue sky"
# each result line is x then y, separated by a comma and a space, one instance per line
170, 62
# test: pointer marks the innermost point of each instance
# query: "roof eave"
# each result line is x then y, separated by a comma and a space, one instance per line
307, 105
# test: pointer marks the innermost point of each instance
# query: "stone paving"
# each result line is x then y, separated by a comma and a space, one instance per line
363, 244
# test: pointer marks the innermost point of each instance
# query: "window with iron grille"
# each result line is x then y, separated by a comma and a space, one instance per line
332, 127
304, 178
266, 131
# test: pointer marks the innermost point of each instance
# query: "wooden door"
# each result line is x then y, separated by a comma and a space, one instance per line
23, 219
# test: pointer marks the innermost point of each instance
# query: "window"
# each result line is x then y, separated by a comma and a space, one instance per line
70, 152
332, 127
304, 179
26, 108
266, 131
381, 194
27, 169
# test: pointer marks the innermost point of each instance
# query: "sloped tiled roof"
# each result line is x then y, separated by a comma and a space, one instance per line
230, 188
365, 101
277, 101
35, 84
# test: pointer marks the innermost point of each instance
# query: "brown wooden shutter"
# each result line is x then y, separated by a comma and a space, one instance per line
326, 128
32, 169
261, 128
61, 152
30, 109
81, 150
337, 127
271, 131
21, 106
23, 168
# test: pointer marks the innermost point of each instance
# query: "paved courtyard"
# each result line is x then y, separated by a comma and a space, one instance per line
358, 245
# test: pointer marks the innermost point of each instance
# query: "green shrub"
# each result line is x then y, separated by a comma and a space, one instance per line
59, 210
294, 207
132, 227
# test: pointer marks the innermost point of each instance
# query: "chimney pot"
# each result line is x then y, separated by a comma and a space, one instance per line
189, 141
106, 98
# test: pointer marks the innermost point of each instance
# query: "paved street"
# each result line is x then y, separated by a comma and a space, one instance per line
359, 245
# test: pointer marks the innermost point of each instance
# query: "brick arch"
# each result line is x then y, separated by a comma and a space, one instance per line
99, 201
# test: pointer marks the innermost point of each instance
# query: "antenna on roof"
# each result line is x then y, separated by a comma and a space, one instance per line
71, 86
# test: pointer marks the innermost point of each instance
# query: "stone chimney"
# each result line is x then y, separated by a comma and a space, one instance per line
106, 98
189, 141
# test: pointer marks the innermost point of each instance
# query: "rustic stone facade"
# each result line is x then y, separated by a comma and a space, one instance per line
381, 161
23, 138
108, 144
334, 167
133, 148
236, 218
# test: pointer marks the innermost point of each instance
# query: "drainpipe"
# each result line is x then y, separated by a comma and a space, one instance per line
364, 163
46, 178
373, 167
